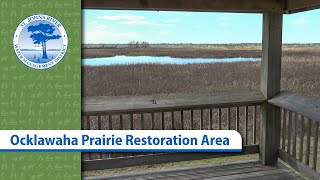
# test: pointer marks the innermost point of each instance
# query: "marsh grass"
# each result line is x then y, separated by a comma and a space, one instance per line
300, 74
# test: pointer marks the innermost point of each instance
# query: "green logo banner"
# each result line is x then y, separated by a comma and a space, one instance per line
48, 98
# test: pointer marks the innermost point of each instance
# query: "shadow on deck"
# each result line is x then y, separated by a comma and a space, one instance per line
238, 170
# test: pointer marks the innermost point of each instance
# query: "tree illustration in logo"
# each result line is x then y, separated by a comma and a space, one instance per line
42, 33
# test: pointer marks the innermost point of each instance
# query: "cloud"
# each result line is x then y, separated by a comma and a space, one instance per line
300, 21
118, 17
107, 36
135, 22
144, 23
131, 19
93, 22
102, 34
101, 26
173, 20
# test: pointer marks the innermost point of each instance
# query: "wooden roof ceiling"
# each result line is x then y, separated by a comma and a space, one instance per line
244, 6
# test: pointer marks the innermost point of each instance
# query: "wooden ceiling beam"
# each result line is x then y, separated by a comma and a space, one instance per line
244, 6
294, 6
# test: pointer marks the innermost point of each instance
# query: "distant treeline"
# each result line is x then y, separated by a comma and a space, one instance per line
137, 44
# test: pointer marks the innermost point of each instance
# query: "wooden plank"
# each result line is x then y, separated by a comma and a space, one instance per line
244, 6
305, 170
210, 119
219, 118
284, 128
246, 124
308, 142
237, 119
234, 173
267, 172
270, 86
183, 170
269, 134
294, 6
182, 120
168, 102
315, 146
301, 138
158, 159
254, 125
277, 176
201, 119
203, 173
228, 118
88, 128
289, 131
303, 105
271, 54
242, 170
294, 140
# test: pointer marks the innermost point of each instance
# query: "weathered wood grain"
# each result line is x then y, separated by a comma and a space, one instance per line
301, 139
315, 146
298, 166
294, 6
236, 170
284, 129
169, 102
270, 86
244, 6
158, 159
303, 105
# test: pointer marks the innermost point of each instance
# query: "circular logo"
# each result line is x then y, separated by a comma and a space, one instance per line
40, 41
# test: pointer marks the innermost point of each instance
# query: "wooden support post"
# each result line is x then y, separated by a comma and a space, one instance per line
270, 86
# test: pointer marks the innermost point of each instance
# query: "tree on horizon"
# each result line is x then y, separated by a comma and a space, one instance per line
42, 33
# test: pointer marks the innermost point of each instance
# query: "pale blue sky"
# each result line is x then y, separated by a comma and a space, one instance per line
119, 26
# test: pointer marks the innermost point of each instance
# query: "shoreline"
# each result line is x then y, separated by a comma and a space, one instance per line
205, 53
171, 52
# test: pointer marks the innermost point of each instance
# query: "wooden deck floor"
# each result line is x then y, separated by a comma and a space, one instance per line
240, 170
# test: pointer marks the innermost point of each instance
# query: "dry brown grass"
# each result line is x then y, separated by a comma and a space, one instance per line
173, 52
300, 73
197, 52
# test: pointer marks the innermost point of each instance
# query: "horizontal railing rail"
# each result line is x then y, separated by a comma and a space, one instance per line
158, 103
300, 132
158, 158
225, 110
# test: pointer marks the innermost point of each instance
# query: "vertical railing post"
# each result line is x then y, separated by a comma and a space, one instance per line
270, 86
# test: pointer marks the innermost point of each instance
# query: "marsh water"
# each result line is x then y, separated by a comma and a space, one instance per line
156, 60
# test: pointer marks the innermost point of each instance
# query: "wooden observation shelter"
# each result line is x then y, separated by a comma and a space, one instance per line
288, 122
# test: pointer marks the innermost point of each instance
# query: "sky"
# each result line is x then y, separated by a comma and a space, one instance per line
122, 26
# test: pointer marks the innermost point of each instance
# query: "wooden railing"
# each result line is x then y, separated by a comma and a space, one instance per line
238, 111
300, 132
